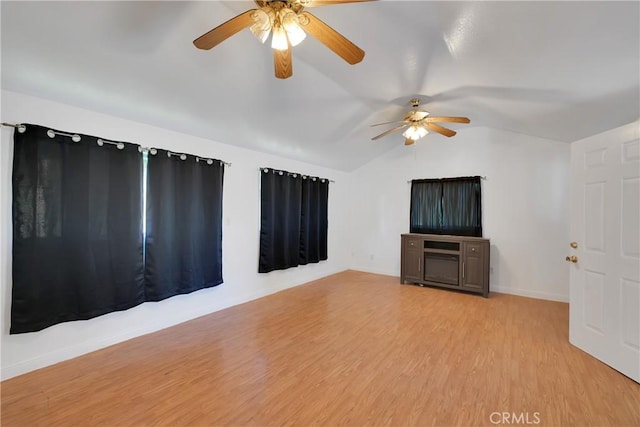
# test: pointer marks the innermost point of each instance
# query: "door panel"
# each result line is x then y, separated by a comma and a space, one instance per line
605, 221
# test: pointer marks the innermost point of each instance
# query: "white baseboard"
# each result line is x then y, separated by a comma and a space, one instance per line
375, 270
531, 294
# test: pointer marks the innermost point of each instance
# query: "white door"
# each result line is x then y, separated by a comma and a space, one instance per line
604, 306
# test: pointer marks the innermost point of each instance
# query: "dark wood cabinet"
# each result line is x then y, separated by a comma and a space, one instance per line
412, 259
453, 262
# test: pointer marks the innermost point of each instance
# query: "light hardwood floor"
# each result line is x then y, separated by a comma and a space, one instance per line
350, 349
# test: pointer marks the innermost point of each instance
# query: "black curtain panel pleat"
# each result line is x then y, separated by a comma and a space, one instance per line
313, 220
280, 210
426, 209
183, 247
77, 229
461, 208
446, 206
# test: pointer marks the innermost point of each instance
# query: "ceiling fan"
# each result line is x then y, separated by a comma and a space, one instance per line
288, 24
419, 123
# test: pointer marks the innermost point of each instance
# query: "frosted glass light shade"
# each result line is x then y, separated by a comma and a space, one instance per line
279, 39
291, 25
415, 132
263, 20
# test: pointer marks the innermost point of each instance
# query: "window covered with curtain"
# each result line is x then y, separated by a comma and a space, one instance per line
81, 245
446, 206
183, 246
77, 229
293, 220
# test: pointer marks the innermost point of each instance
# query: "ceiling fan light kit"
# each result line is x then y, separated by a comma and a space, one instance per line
288, 26
418, 123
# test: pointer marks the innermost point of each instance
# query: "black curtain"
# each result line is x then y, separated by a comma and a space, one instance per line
446, 206
77, 232
183, 248
426, 206
280, 211
314, 220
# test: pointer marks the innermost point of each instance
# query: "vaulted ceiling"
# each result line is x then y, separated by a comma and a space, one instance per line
556, 70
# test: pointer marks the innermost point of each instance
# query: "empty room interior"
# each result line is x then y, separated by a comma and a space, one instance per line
320, 212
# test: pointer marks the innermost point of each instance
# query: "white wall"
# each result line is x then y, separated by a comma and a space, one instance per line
525, 205
241, 216
525, 210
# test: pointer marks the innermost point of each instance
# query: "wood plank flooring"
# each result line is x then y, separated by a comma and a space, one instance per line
350, 349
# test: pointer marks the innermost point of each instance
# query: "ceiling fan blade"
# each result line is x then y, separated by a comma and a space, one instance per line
282, 63
409, 141
390, 131
442, 130
331, 38
389, 123
314, 3
224, 31
448, 119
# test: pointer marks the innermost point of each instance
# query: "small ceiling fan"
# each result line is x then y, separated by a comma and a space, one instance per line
288, 24
419, 123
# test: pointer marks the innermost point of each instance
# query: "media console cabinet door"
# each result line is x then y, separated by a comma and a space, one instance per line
473, 265
412, 262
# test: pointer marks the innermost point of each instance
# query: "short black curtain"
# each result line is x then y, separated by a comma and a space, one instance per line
446, 206
314, 220
183, 248
77, 231
280, 211
293, 220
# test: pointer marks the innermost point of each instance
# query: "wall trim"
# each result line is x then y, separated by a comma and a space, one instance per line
528, 293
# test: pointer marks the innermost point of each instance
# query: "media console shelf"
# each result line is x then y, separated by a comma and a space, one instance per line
453, 262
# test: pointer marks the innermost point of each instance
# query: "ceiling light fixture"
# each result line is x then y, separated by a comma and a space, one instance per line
283, 24
415, 132
291, 24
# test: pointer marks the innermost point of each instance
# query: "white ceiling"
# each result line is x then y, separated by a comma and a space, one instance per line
556, 70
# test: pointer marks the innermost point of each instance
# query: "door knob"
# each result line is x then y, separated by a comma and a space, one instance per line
572, 258
574, 245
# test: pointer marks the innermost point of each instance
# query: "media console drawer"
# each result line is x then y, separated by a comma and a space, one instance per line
453, 262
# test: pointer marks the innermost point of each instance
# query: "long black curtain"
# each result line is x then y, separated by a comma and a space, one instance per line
293, 220
280, 210
446, 206
77, 229
183, 248
314, 220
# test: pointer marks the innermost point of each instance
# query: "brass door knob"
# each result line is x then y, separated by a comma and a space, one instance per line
574, 245
572, 258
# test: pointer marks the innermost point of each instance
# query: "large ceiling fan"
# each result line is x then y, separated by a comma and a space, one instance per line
288, 24
418, 123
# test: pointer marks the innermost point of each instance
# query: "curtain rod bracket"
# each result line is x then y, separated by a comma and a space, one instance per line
20, 127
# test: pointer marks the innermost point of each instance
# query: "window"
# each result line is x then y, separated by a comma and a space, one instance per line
293, 220
81, 247
446, 206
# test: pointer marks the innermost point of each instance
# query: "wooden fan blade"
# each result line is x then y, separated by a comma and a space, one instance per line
282, 63
448, 119
409, 141
224, 31
442, 130
314, 3
389, 123
331, 38
390, 131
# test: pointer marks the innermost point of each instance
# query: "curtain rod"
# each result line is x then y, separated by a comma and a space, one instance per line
266, 169
484, 178
120, 145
